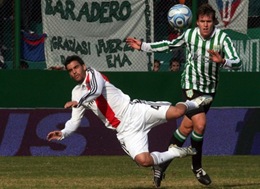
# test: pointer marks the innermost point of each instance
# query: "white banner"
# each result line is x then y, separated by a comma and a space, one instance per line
96, 31
232, 14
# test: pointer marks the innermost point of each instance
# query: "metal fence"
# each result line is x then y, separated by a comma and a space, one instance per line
22, 24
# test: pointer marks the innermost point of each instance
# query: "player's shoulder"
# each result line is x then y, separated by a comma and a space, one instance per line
91, 70
220, 31
191, 30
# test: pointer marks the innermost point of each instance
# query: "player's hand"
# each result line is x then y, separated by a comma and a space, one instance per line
134, 43
71, 104
215, 56
54, 135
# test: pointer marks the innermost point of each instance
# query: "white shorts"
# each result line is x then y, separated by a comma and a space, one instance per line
139, 119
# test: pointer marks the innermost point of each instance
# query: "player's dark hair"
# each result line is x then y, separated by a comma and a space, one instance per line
69, 59
206, 9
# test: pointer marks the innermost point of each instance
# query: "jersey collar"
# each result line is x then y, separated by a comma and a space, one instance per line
211, 36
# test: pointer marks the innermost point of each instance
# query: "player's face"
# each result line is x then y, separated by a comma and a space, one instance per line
206, 25
76, 71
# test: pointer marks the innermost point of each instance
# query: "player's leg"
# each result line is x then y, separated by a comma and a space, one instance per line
138, 121
178, 138
199, 125
147, 159
195, 104
181, 108
198, 118
135, 144
145, 116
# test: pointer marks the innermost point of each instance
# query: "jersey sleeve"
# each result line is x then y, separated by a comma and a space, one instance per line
94, 85
231, 56
74, 122
163, 46
76, 115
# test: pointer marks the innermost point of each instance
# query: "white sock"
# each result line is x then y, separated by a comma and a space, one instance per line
161, 157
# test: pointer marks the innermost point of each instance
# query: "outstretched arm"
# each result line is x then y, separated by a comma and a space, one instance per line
71, 125
134, 43
161, 46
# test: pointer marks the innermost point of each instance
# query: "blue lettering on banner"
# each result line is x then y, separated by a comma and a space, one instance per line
73, 145
23, 133
13, 134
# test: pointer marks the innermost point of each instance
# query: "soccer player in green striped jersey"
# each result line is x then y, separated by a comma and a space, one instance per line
209, 49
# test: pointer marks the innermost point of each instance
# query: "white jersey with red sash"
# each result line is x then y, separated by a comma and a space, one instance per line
99, 95
131, 119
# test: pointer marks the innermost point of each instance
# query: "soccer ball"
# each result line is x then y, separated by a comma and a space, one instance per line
179, 16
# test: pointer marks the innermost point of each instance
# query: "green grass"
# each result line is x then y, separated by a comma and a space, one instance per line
120, 172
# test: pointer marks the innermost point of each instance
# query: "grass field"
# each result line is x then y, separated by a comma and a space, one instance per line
120, 172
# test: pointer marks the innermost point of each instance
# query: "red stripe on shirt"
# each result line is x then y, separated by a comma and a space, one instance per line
106, 110
105, 77
87, 82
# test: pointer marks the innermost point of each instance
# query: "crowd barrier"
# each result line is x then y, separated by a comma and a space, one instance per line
230, 131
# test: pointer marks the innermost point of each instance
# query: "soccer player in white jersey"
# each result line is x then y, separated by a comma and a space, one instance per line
209, 49
132, 119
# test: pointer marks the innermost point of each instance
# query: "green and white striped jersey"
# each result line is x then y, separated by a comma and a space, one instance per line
200, 73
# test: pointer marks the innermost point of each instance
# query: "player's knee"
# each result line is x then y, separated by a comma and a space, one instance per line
185, 130
200, 128
142, 160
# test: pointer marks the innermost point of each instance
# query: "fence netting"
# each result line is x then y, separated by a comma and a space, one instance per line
51, 30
